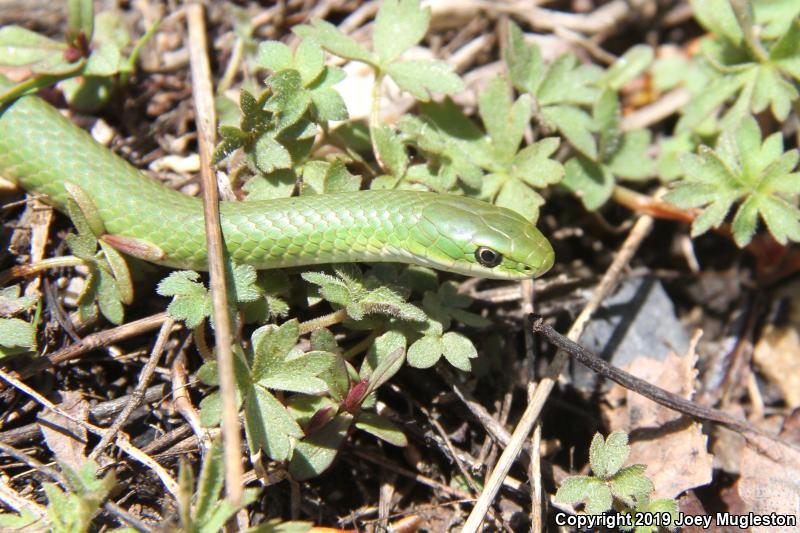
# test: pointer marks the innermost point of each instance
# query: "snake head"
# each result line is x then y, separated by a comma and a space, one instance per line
475, 238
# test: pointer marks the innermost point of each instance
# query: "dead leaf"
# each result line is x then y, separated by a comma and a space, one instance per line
672, 447
770, 479
777, 354
65, 438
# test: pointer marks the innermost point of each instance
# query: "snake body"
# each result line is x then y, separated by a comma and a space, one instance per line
40, 150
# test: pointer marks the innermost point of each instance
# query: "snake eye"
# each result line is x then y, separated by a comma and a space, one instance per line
488, 257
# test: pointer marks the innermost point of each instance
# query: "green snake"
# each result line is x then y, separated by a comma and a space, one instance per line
41, 151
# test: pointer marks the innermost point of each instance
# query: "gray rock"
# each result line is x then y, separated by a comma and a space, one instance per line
637, 321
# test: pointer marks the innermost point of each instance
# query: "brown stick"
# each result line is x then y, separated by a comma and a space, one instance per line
640, 386
206, 124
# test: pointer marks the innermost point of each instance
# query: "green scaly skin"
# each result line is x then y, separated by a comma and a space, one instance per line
40, 150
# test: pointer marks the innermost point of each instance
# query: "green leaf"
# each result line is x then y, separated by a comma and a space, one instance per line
630, 161
277, 184
458, 350
533, 165
770, 89
391, 150
11, 303
518, 197
268, 425
786, 52
109, 27
742, 168
575, 124
85, 303
567, 82
73, 510
270, 155
448, 303
635, 60
384, 358
422, 77
524, 61
381, 427
16, 333
505, 123
271, 345
704, 104
576, 489
289, 100
24, 521
314, 454
667, 166
212, 479
607, 117
321, 177
20, 47
244, 285
607, 456
277, 526
385, 301
104, 61
108, 296
274, 55
309, 60
211, 410
80, 19
630, 484
119, 271
718, 17
191, 301
334, 41
300, 374
425, 351
399, 25
328, 104
590, 182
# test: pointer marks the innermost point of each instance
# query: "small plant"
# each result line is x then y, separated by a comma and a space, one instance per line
612, 486
70, 510
17, 335
201, 508
742, 169
753, 59
89, 58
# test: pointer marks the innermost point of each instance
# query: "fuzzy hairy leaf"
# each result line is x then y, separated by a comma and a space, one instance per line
591, 490
423, 77
191, 302
607, 455
399, 25
315, 453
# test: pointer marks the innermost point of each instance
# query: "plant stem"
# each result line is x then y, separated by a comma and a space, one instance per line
375, 115
323, 321
21, 271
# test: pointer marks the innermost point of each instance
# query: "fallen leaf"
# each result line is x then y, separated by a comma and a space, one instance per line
770, 478
65, 438
776, 354
672, 447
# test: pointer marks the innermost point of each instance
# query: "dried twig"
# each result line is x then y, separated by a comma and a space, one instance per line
138, 394
648, 390
121, 441
545, 386
206, 123
93, 342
